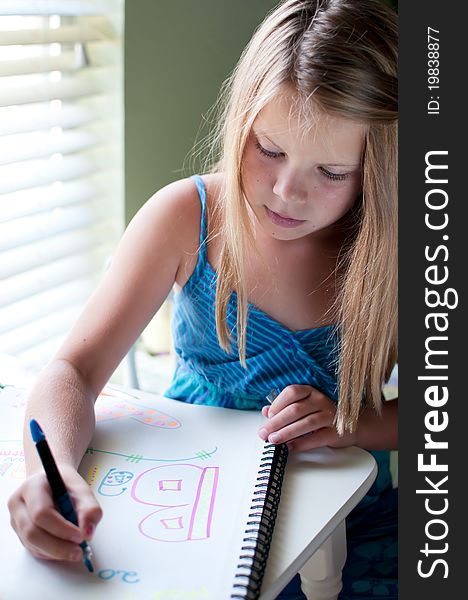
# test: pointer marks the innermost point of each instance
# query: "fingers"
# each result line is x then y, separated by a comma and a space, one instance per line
298, 411
40, 542
88, 511
293, 421
31, 527
291, 394
42, 529
39, 506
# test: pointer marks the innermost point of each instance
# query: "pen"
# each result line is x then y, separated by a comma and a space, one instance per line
59, 491
272, 394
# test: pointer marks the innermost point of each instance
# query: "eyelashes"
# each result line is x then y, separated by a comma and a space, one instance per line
266, 152
334, 176
325, 172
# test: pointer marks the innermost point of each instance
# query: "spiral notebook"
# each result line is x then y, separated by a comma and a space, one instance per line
189, 493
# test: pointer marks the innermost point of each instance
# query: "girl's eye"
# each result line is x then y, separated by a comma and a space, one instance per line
334, 176
266, 152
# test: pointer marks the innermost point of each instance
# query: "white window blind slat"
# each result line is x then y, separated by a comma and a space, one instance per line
59, 194
100, 54
45, 115
25, 146
57, 273
34, 173
67, 61
39, 87
44, 251
59, 7
29, 231
40, 305
61, 165
89, 30
13, 148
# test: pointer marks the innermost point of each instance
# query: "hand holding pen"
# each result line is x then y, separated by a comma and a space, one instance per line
60, 494
35, 517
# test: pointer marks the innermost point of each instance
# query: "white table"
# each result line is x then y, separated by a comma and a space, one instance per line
321, 488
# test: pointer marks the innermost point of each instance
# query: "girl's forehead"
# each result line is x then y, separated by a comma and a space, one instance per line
285, 113
305, 131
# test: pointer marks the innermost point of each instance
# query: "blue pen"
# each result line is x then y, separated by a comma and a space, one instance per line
59, 491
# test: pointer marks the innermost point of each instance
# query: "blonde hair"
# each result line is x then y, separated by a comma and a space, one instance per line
341, 58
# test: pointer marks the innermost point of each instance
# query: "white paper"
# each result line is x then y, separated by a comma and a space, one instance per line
175, 483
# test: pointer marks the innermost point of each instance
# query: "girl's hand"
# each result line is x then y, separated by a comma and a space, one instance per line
41, 528
302, 417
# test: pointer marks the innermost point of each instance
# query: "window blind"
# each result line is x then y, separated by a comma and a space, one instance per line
61, 165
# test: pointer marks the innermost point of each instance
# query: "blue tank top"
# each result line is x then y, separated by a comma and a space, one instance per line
275, 355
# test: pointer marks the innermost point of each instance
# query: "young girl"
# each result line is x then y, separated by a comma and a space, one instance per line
284, 262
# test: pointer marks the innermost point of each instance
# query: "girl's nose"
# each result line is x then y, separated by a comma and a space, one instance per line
290, 188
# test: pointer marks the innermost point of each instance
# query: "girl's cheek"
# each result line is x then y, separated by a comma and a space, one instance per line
250, 158
253, 171
247, 165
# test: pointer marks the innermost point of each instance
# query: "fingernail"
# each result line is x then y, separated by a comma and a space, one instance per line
77, 538
75, 554
273, 438
263, 433
89, 531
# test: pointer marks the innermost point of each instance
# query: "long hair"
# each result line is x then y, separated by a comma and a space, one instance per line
341, 58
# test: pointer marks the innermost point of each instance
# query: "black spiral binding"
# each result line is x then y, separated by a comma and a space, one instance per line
262, 517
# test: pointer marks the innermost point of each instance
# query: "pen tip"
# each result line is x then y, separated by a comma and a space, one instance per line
36, 432
87, 554
89, 565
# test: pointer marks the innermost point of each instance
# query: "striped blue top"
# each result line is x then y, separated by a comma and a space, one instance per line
275, 355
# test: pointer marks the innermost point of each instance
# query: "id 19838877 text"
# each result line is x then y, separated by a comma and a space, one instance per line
433, 71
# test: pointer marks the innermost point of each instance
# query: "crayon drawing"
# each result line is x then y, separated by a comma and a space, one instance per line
110, 408
114, 482
186, 497
12, 459
137, 458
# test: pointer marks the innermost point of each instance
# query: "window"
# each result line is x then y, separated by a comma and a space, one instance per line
61, 166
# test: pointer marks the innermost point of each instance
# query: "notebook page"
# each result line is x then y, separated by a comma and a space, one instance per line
175, 483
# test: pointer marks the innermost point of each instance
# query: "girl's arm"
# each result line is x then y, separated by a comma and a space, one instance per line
144, 268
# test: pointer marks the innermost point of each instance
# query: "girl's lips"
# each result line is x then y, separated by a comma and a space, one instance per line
283, 221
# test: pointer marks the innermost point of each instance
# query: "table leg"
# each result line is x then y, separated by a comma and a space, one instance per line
321, 575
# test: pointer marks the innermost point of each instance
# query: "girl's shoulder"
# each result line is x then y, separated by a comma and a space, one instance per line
183, 194
184, 206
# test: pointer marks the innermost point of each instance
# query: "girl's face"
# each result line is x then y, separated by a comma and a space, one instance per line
300, 183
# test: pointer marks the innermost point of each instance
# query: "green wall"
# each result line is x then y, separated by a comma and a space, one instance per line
177, 54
